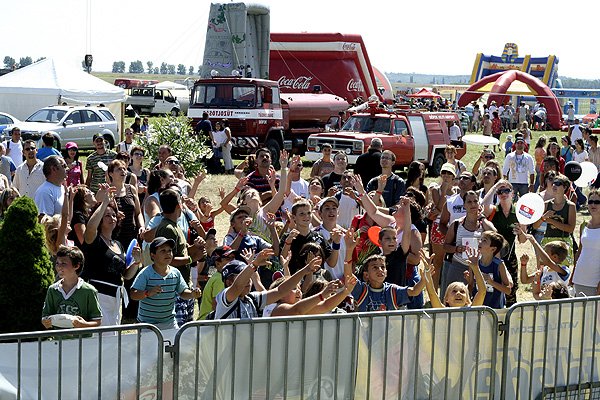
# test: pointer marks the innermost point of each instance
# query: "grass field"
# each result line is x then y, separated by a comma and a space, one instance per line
210, 185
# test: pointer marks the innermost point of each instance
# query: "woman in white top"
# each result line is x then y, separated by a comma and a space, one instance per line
221, 139
580, 154
463, 234
586, 275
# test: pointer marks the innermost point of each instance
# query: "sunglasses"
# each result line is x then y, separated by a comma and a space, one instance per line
488, 156
500, 192
138, 154
465, 178
29, 149
174, 162
558, 183
596, 202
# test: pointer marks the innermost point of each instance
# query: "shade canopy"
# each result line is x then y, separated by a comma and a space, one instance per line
425, 94
50, 82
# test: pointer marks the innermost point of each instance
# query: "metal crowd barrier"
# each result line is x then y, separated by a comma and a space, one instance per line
545, 350
407, 354
551, 350
119, 362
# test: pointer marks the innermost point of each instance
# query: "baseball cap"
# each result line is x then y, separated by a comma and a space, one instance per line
223, 251
468, 175
449, 168
240, 209
71, 145
211, 231
159, 241
326, 200
519, 139
509, 137
234, 267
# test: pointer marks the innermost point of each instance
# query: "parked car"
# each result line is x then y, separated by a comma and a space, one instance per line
7, 121
76, 124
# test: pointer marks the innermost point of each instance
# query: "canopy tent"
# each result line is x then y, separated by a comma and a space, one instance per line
48, 82
425, 94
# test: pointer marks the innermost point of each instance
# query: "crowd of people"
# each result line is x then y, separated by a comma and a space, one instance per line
131, 239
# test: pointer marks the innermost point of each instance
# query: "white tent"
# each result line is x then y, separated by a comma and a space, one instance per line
48, 82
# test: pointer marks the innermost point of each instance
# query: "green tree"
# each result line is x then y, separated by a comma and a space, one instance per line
136, 67
25, 61
118, 67
40, 59
9, 62
164, 68
181, 69
177, 132
191, 70
156, 70
171, 69
150, 64
26, 267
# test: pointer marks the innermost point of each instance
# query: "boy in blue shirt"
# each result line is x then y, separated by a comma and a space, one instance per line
158, 285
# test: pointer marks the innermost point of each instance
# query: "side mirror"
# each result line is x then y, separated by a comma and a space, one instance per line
68, 122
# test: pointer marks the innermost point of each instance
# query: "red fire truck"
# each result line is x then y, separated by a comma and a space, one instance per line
260, 116
410, 134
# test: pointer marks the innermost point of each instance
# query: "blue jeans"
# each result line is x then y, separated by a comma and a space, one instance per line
519, 189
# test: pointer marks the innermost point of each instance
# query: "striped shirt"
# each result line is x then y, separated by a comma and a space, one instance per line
98, 174
159, 308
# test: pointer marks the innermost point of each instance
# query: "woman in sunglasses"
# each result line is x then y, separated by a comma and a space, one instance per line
504, 217
560, 216
586, 275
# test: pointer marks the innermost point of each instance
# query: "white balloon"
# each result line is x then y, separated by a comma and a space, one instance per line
102, 166
589, 172
530, 208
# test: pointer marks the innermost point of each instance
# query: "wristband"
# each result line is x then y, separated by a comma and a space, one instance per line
360, 195
146, 293
347, 261
379, 193
190, 260
321, 297
254, 267
335, 246
236, 189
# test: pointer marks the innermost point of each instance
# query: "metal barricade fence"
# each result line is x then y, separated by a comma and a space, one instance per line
406, 354
551, 350
124, 362
548, 350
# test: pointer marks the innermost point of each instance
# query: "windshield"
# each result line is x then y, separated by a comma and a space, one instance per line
224, 95
47, 115
366, 124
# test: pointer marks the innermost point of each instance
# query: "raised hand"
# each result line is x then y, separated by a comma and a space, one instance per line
351, 239
313, 265
241, 183
283, 158
247, 254
262, 258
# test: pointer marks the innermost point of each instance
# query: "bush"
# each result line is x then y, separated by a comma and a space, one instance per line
178, 133
27, 270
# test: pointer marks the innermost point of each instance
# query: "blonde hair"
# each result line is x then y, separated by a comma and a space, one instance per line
51, 224
457, 285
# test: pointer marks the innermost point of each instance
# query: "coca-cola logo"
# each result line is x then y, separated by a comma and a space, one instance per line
301, 82
355, 85
349, 46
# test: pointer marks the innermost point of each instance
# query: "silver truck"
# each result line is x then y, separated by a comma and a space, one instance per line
149, 100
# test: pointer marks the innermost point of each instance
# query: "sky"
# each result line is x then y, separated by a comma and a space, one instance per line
430, 37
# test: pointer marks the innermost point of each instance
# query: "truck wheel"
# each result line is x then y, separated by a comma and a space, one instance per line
274, 147
436, 165
110, 143
174, 112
